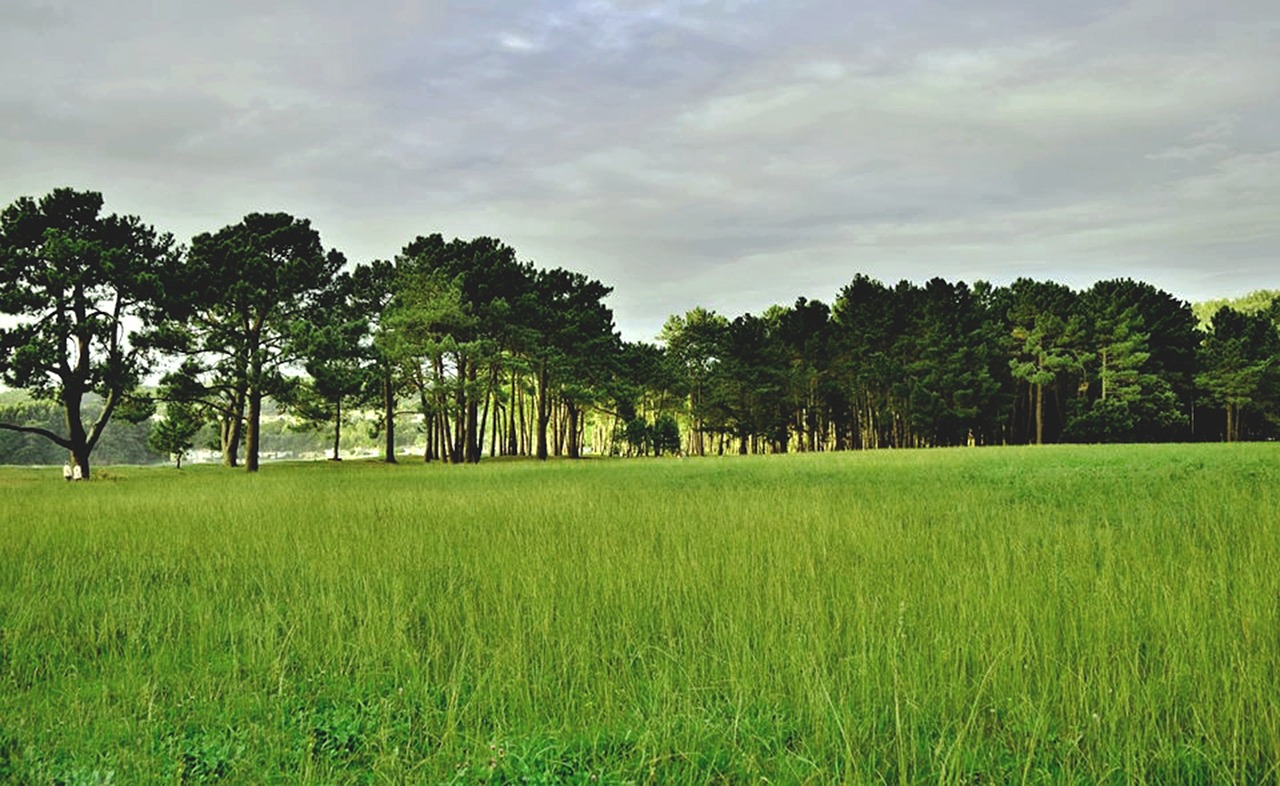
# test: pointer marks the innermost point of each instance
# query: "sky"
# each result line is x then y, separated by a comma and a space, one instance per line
729, 154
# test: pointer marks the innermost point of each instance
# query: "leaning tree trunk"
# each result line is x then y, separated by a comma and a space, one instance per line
233, 428
77, 440
230, 439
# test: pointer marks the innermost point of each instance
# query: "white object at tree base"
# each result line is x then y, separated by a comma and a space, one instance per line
66, 472
77, 473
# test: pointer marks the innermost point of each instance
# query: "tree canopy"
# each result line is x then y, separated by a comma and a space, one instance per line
240, 300
85, 290
494, 355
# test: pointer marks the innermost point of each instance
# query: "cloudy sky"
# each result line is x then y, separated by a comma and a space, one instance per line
730, 154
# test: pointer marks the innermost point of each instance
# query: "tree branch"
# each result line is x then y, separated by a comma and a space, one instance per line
47, 434
108, 407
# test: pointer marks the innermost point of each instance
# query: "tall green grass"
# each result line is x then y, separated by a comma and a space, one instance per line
1074, 614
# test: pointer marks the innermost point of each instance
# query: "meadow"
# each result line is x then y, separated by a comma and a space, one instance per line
1001, 615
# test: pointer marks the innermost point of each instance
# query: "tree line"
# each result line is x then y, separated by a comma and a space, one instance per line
497, 356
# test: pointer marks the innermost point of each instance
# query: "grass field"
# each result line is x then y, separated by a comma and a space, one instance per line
1073, 614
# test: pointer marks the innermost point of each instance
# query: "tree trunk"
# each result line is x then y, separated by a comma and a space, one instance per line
389, 417
77, 440
232, 434
1104, 375
80, 458
1039, 414
572, 429
491, 404
473, 437
497, 425
516, 402
459, 437
557, 428
544, 414
233, 428
446, 441
337, 430
253, 431
428, 421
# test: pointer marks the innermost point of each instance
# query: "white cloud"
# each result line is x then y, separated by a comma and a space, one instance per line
684, 151
517, 43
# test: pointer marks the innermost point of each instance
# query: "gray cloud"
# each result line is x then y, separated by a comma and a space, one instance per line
730, 154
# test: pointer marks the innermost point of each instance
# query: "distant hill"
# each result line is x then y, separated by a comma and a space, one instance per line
126, 443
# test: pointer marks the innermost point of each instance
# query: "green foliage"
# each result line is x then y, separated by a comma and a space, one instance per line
991, 615
950, 390
1048, 341
176, 433
576, 346
638, 435
1130, 390
240, 308
865, 321
1116, 419
662, 436
467, 315
75, 283
666, 435
1241, 366
339, 359
490, 346
1260, 301
693, 343
121, 442
199, 755
745, 397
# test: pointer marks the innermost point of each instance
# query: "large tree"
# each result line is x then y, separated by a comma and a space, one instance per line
950, 392
867, 319
1136, 386
746, 396
426, 335
573, 349
1047, 334
246, 288
1240, 367
83, 288
338, 357
805, 333
647, 388
693, 342
374, 294
462, 320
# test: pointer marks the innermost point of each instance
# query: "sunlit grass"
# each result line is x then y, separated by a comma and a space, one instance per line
1080, 614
